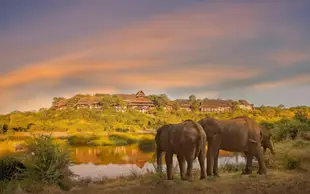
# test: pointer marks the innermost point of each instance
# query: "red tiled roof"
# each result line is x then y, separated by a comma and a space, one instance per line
139, 97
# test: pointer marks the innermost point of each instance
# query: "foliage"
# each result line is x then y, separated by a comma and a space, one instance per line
47, 162
10, 167
279, 120
291, 162
3, 128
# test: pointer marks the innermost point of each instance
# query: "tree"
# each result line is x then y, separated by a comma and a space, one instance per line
301, 115
4, 128
160, 100
192, 98
175, 105
195, 105
57, 99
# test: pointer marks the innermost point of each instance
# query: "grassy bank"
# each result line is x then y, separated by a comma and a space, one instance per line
109, 139
288, 172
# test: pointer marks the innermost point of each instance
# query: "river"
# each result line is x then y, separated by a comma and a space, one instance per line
114, 161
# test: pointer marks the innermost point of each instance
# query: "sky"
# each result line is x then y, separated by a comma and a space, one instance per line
256, 50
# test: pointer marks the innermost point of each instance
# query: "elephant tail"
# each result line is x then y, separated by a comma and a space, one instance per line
200, 146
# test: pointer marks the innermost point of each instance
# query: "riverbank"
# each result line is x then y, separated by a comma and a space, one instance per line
288, 173
81, 138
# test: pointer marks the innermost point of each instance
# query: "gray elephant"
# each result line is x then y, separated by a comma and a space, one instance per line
187, 140
234, 135
265, 136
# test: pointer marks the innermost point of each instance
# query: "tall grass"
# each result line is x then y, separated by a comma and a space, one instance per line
47, 161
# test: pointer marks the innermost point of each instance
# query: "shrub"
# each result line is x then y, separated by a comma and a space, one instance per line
291, 162
147, 145
79, 140
10, 167
122, 139
47, 162
305, 135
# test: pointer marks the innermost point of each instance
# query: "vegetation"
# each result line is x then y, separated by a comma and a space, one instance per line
44, 163
47, 162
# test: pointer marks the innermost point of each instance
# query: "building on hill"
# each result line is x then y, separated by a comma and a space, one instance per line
92, 102
217, 105
61, 105
245, 105
184, 104
138, 101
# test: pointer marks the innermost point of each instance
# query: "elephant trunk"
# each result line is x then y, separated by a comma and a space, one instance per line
270, 147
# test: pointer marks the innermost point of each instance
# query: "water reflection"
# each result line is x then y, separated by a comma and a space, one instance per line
115, 161
111, 162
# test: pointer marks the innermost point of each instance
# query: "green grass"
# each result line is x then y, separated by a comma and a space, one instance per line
112, 139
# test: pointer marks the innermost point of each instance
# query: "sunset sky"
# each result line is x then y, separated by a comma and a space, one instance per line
253, 50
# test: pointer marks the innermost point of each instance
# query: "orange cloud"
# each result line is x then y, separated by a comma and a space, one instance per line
185, 77
66, 67
288, 58
300, 79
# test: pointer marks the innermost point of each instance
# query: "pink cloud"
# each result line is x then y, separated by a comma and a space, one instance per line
300, 79
288, 58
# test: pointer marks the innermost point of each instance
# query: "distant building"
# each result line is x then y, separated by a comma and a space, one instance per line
138, 101
184, 104
245, 105
92, 102
209, 105
61, 105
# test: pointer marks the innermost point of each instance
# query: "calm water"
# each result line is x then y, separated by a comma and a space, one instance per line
111, 162
114, 161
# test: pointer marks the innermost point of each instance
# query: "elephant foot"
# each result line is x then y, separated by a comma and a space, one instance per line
246, 172
202, 177
261, 172
216, 175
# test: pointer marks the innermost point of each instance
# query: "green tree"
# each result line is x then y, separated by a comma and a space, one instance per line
192, 98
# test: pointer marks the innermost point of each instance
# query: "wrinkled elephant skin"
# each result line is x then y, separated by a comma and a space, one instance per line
234, 135
265, 133
187, 140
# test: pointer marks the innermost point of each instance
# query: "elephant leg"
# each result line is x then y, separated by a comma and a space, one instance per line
202, 163
169, 162
248, 167
181, 161
260, 158
210, 161
159, 160
213, 148
189, 160
215, 167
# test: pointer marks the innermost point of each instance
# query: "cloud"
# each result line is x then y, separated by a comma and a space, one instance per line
296, 80
204, 48
288, 58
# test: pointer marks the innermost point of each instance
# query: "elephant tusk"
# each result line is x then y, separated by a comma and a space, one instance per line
253, 141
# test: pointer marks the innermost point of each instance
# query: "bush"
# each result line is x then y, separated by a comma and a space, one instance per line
10, 167
47, 162
80, 140
291, 162
305, 135
147, 145
122, 139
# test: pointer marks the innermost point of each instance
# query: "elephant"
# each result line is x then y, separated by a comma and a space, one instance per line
234, 135
266, 136
188, 141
